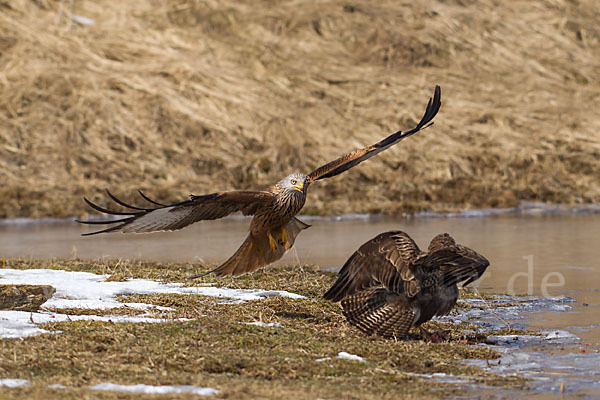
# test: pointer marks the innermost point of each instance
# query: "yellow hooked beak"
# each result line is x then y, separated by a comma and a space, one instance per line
299, 186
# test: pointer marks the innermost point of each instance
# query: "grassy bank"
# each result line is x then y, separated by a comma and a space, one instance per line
215, 348
183, 96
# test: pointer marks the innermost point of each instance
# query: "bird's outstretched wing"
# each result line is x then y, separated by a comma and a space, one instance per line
349, 160
455, 263
170, 217
382, 261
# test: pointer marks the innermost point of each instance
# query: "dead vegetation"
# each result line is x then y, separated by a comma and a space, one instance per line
215, 347
185, 96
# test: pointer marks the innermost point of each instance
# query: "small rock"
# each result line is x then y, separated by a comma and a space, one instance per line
24, 297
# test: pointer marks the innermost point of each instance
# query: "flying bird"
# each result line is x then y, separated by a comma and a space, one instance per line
389, 285
274, 225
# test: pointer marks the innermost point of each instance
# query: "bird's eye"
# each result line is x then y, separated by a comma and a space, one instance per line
294, 181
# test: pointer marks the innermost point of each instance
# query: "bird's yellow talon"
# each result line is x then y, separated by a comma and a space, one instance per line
273, 243
283, 237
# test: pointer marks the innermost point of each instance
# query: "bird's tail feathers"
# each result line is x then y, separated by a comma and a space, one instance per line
371, 311
256, 252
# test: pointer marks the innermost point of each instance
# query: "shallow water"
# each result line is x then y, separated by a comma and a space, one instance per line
542, 255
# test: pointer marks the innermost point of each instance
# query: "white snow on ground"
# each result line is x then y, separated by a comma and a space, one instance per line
446, 378
87, 290
22, 324
57, 386
259, 323
348, 356
13, 383
149, 389
343, 355
556, 336
577, 371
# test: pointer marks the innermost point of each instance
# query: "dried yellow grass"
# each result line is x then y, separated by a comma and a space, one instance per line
196, 96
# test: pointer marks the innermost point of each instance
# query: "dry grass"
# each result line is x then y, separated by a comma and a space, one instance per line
215, 348
185, 96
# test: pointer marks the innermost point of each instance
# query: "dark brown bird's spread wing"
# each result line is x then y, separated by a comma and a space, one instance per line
349, 160
382, 261
179, 215
455, 264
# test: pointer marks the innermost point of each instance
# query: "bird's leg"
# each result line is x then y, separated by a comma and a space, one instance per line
424, 334
283, 237
435, 337
273, 242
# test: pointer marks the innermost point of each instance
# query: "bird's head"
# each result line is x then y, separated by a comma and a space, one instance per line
295, 181
440, 241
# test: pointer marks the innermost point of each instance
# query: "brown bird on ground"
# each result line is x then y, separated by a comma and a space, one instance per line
389, 285
273, 228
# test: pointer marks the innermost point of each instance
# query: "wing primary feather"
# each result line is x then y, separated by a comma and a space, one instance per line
354, 158
110, 229
122, 203
179, 215
470, 272
433, 106
103, 222
105, 210
148, 199
341, 286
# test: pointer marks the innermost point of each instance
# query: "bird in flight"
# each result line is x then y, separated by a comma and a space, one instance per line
389, 285
274, 225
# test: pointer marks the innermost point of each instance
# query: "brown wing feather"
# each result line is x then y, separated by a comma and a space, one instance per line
349, 160
379, 311
383, 260
179, 215
455, 263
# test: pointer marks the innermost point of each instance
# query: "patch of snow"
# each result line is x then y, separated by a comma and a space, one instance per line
513, 309
86, 290
57, 386
231, 301
91, 291
556, 336
445, 378
578, 371
13, 383
563, 336
348, 356
150, 389
550, 359
15, 324
259, 323
323, 359
80, 19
